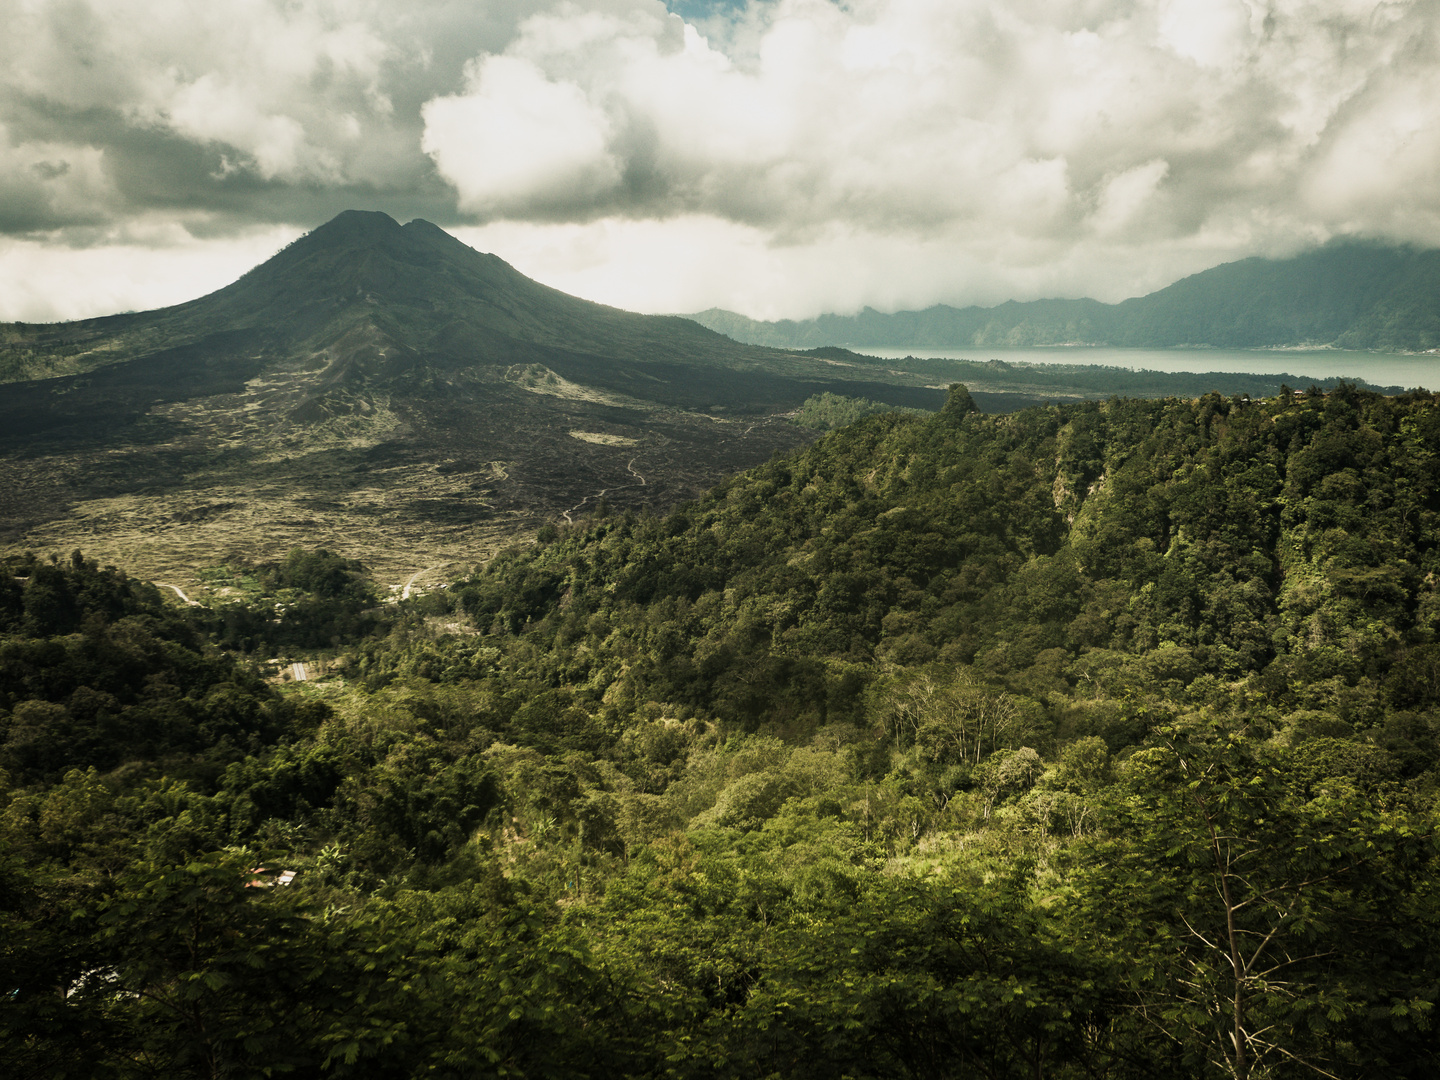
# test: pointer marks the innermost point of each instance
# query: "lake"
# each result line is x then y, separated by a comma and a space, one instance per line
1380, 369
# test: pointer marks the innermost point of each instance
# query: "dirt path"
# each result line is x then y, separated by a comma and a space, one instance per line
598, 495
178, 592
630, 468
410, 585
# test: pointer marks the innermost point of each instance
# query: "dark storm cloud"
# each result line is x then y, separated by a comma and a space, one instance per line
250, 113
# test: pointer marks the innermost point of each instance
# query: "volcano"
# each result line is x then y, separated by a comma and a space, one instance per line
384, 390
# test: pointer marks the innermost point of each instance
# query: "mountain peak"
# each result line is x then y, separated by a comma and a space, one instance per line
430, 295
362, 225
351, 229
421, 227
357, 257
418, 243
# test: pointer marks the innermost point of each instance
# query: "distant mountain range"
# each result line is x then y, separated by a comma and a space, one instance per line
1345, 295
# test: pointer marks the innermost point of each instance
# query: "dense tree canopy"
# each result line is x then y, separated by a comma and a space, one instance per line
1095, 740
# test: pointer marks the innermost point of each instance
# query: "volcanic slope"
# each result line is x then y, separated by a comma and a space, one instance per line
384, 390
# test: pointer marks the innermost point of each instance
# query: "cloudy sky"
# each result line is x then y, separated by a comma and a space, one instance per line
775, 157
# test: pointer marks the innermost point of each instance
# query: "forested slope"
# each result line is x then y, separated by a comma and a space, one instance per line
1284, 552
1095, 740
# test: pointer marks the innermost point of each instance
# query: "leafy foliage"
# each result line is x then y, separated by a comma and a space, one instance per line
1095, 740
102, 671
827, 411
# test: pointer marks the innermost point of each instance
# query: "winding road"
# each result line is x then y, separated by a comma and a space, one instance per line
410, 585
630, 468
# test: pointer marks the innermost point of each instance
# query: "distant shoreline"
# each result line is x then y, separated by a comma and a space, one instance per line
1408, 370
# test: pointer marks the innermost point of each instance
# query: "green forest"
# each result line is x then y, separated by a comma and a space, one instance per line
1088, 741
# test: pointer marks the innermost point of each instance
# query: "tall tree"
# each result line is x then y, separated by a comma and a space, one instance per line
1274, 916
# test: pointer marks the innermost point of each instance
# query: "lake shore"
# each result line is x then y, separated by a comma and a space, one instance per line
1407, 370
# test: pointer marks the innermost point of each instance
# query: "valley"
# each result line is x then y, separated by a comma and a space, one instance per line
383, 390
428, 480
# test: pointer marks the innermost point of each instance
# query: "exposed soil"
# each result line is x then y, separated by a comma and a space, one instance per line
436, 480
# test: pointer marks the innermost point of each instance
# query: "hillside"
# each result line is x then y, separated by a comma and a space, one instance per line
383, 387
948, 745
1345, 295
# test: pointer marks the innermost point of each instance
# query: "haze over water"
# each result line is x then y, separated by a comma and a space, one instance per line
1406, 370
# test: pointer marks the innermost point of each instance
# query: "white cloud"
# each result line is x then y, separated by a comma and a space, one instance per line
1212, 33
1036, 127
148, 265
692, 262
270, 81
299, 91
1124, 197
1379, 166
517, 140
1002, 143
44, 181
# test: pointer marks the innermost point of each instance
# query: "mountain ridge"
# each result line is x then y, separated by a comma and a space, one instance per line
420, 279
1351, 295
